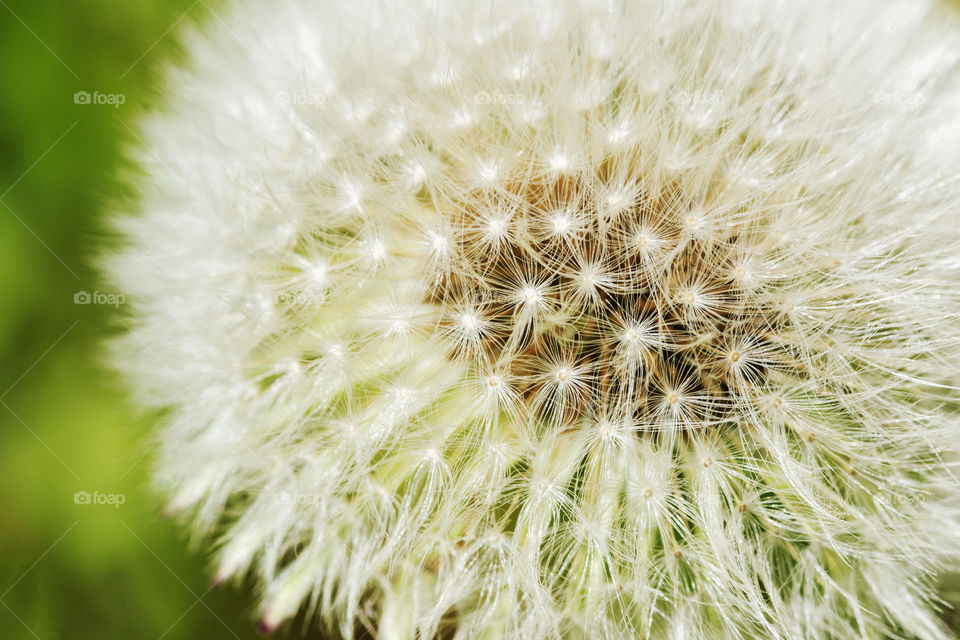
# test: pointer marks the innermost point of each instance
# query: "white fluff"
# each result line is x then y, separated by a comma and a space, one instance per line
520, 319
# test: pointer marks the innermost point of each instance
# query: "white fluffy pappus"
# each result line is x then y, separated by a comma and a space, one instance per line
522, 319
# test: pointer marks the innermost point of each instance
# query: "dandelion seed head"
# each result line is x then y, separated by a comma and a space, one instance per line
576, 319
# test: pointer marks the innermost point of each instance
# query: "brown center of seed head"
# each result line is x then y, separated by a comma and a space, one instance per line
599, 307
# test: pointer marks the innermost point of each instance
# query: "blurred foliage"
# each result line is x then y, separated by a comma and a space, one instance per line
69, 570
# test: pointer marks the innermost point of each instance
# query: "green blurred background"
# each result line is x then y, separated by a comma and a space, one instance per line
68, 570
